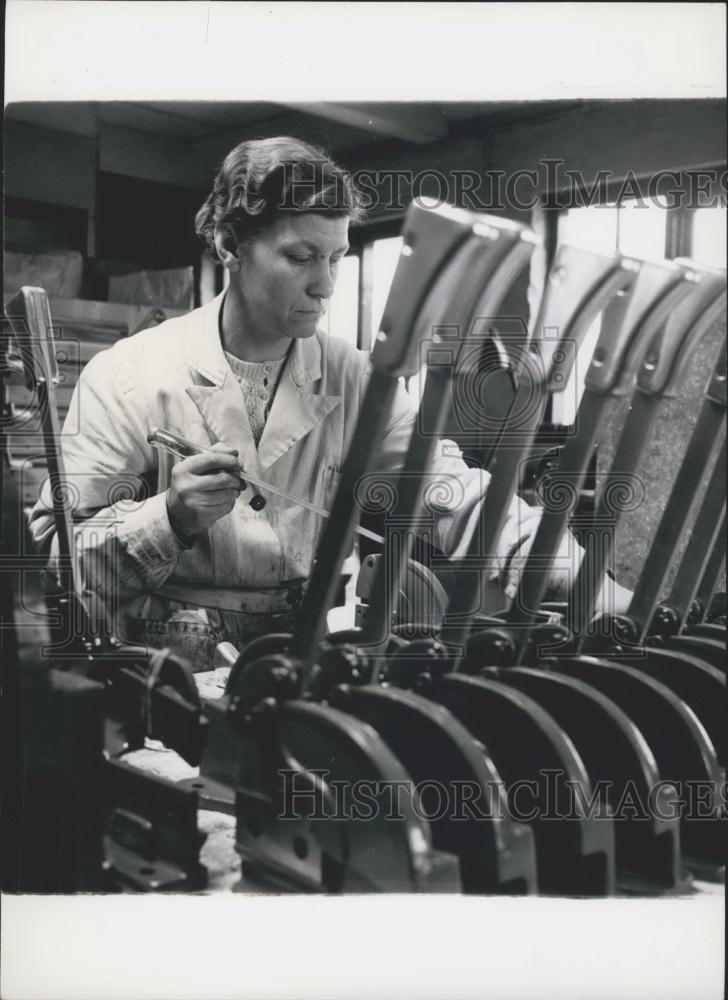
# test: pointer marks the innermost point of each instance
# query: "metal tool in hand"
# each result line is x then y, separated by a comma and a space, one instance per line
183, 448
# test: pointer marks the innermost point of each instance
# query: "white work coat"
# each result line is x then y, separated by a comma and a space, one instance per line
176, 377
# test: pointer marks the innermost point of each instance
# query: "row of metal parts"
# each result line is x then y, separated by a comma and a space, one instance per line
476, 752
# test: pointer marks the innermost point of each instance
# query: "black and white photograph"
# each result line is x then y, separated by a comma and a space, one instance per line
363, 385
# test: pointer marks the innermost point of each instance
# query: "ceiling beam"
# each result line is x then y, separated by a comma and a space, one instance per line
420, 124
331, 136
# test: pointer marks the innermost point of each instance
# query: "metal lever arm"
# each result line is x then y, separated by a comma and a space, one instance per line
660, 368
628, 326
430, 237
701, 543
472, 286
714, 569
30, 318
578, 288
663, 367
680, 502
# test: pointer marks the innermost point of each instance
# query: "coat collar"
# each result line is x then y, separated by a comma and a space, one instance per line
204, 353
296, 408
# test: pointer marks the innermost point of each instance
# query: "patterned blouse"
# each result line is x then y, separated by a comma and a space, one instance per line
258, 381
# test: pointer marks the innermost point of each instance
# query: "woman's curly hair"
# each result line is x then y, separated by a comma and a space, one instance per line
263, 178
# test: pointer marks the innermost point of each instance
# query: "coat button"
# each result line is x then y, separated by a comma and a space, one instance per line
258, 502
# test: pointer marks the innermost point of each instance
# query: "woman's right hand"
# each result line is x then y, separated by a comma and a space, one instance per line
203, 489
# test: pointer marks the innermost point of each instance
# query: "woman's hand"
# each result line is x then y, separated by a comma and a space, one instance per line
204, 488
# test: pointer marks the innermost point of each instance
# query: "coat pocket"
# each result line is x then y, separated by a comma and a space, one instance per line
330, 477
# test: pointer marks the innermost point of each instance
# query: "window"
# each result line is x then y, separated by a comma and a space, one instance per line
709, 237
593, 228
633, 228
637, 229
362, 285
343, 312
641, 230
385, 254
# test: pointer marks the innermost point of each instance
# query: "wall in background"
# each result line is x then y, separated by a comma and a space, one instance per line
36, 226
638, 136
145, 222
51, 167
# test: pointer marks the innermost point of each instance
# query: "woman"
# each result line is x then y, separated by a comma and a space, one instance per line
184, 557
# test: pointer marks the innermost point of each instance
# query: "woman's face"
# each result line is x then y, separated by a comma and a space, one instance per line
287, 275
